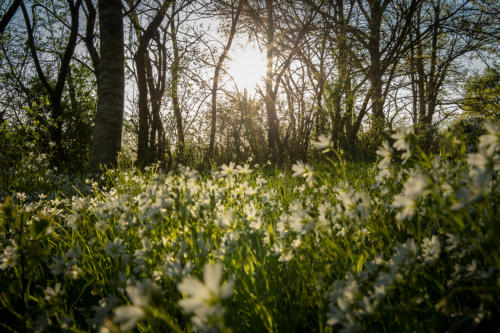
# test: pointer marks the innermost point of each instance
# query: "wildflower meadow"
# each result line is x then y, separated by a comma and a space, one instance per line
408, 244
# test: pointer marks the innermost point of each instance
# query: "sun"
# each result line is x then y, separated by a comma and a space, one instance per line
247, 67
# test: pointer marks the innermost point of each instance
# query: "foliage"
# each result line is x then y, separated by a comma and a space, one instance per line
410, 244
30, 132
482, 94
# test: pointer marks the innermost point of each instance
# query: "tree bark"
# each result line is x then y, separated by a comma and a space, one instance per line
110, 87
175, 86
376, 72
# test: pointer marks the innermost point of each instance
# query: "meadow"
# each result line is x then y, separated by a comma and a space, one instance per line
410, 243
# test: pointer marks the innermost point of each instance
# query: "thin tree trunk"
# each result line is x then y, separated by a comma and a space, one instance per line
141, 58
175, 86
215, 84
272, 118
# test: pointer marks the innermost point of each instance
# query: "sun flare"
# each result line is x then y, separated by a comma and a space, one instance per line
247, 67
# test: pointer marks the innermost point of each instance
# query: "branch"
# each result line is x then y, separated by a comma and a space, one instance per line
9, 14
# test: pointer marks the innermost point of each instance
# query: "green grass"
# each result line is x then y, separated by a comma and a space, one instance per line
409, 244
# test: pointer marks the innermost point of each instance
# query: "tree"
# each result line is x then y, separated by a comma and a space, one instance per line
281, 28
235, 15
110, 86
149, 122
444, 31
55, 91
174, 88
482, 94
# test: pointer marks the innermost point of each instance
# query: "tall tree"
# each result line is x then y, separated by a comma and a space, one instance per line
110, 86
454, 29
235, 15
55, 92
174, 88
281, 28
147, 122
273, 133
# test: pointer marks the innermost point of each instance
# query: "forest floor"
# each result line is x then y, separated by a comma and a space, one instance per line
408, 244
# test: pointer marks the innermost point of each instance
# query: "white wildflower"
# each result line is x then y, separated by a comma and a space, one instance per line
204, 298
385, 151
243, 170
414, 187
431, 248
139, 295
404, 251
490, 142
115, 248
228, 170
9, 256
401, 142
58, 265
226, 219
303, 170
53, 292
324, 143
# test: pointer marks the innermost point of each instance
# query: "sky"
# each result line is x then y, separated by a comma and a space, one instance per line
247, 65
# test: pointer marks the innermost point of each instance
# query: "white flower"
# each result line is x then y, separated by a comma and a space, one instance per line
400, 143
204, 298
490, 142
298, 169
404, 251
414, 187
303, 170
9, 256
174, 269
296, 221
58, 266
228, 170
226, 219
323, 143
477, 160
53, 292
243, 170
408, 205
21, 196
385, 151
115, 248
130, 315
187, 171
431, 248
140, 295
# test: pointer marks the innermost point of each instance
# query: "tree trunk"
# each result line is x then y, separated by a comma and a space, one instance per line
272, 118
376, 71
215, 84
145, 154
174, 68
110, 87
